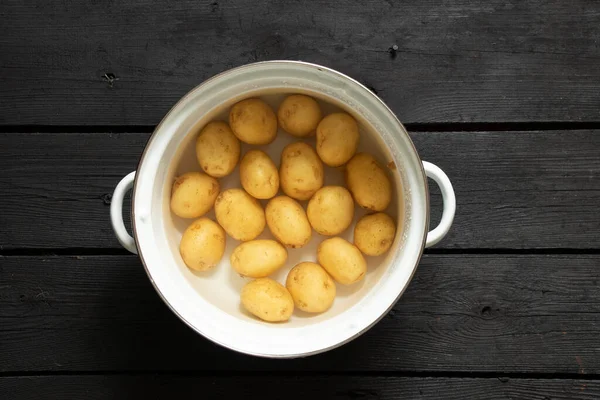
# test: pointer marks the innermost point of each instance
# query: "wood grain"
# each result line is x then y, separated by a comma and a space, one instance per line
102, 62
519, 190
461, 313
302, 387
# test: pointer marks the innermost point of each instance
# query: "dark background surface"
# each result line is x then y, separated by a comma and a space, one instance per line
502, 95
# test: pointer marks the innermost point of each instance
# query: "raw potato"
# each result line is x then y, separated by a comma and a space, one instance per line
268, 300
331, 210
253, 121
259, 175
287, 221
374, 234
258, 258
301, 171
202, 244
193, 194
240, 214
368, 182
299, 115
311, 287
217, 149
337, 139
342, 260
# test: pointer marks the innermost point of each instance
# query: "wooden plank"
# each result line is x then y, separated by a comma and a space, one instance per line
518, 189
99, 387
465, 313
87, 62
514, 189
61, 184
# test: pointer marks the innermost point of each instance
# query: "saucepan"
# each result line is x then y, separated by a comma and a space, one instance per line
209, 302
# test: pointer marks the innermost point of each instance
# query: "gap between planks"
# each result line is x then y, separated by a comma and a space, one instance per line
503, 377
84, 251
420, 127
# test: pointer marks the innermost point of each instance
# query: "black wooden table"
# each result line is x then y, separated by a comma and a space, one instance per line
504, 95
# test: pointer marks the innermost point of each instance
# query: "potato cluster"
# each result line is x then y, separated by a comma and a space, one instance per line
310, 286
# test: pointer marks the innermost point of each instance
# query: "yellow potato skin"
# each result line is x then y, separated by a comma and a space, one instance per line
301, 171
240, 214
368, 182
299, 115
193, 194
374, 234
253, 121
202, 244
311, 287
258, 258
287, 221
342, 260
259, 175
217, 149
337, 139
331, 210
267, 300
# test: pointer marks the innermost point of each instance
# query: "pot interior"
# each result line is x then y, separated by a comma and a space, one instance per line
221, 286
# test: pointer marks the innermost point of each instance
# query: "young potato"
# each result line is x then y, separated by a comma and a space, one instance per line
287, 221
342, 260
311, 287
217, 149
331, 210
202, 244
299, 115
259, 175
374, 234
239, 214
301, 171
253, 121
268, 300
337, 139
258, 258
368, 182
193, 194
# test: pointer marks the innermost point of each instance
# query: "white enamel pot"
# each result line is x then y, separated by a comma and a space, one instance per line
209, 302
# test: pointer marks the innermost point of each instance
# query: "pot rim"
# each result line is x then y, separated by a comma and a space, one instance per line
176, 108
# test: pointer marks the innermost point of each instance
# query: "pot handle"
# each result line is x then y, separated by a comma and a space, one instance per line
116, 213
434, 172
